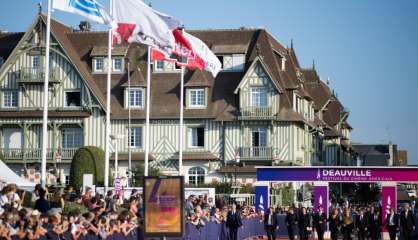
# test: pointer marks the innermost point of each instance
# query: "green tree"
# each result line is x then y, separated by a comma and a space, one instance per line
87, 160
138, 174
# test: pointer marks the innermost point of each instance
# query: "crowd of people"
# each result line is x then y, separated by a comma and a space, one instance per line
48, 217
344, 223
53, 214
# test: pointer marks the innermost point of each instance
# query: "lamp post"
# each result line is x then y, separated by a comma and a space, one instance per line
115, 138
237, 160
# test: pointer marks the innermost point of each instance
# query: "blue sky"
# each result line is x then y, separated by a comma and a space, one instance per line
368, 49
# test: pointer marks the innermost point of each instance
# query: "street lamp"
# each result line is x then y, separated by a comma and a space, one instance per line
114, 138
237, 160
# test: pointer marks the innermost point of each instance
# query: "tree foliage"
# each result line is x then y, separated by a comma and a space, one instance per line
138, 174
87, 160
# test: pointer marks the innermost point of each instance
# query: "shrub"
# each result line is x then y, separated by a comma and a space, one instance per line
70, 207
138, 174
87, 160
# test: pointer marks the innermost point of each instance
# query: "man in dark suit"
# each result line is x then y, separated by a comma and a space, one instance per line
392, 224
304, 223
270, 224
407, 222
233, 222
361, 225
319, 222
291, 223
375, 223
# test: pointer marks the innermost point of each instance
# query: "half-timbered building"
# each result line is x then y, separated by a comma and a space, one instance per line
263, 108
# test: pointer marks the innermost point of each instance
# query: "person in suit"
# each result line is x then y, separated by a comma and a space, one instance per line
361, 225
334, 224
392, 224
407, 222
375, 223
291, 223
319, 222
233, 222
304, 223
270, 224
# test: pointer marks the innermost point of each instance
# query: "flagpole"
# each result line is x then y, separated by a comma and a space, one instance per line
46, 99
129, 125
108, 93
181, 122
148, 103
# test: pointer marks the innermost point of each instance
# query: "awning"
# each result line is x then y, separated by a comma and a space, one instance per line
8, 176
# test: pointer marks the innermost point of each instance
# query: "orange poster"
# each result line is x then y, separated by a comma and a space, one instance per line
163, 199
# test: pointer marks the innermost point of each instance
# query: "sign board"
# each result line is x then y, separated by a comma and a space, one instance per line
163, 206
87, 182
338, 174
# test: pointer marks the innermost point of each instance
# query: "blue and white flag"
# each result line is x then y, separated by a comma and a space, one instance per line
89, 9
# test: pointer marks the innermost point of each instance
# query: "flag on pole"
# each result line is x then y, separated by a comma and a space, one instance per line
190, 52
89, 9
137, 22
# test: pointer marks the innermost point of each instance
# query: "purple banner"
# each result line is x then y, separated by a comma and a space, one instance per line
321, 198
388, 200
338, 174
261, 197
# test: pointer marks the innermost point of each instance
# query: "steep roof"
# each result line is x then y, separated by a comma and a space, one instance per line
317, 89
223, 104
8, 42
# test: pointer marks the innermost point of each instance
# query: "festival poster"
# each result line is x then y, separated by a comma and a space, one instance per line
163, 206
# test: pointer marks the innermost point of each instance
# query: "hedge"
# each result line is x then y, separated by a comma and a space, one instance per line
87, 160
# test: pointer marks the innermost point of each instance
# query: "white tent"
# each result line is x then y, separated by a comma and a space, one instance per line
8, 176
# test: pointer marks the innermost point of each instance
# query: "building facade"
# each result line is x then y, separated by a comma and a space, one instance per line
261, 109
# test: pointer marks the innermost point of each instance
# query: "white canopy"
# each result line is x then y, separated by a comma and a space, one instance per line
8, 176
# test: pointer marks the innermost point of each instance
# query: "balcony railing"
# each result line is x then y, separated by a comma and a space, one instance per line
37, 75
256, 113
34, 154
263, 153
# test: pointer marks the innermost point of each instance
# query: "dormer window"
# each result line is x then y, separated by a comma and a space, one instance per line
117, 64
197, 98
134, 98
159, 65
232, 62
258, 97
98, 64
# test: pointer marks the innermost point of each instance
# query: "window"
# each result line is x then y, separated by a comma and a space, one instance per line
135, 138
67, 180
197, 137
259, 137
135, 98
196, 176
238, 62
72, 137
221, 59
10, 99
258, 97
36, 61
232, 62
72, 99
98, 65
159, 65
117, 64
197, 98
